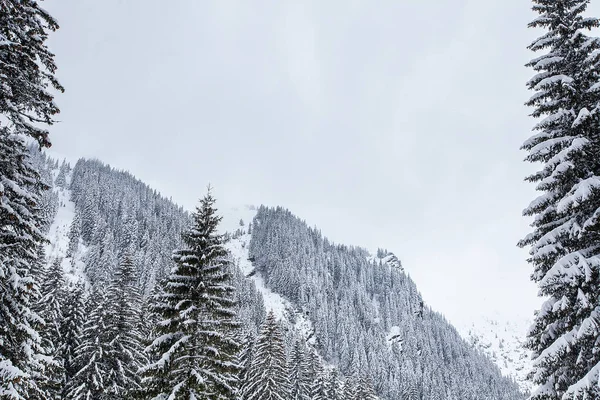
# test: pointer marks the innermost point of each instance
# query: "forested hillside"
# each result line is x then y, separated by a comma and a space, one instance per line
341, 312
369, 316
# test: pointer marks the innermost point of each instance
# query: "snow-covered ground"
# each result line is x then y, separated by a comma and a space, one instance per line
501, 339
58, 236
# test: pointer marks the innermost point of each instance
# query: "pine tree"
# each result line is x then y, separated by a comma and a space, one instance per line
21, 357
364, 389
350, 388
334, 385
318, 389
26, 68
125, 353
90, 356
74, 234
299, 371
244, 359
51, 308
61, 177
71, 327
268, 375
565, 242
194, 348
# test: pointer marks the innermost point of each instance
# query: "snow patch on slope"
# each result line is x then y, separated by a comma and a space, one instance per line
502, 339
238, 247
58, 236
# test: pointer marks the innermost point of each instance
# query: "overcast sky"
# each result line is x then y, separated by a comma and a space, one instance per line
387, 124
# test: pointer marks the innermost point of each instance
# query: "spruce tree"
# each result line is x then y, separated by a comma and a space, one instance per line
89, 382
350, 388
268, 374
334, 385
195, 348
27, 69
21, 356
125, 353
364, 389
299, 372
51, 308
74, 234
244, 360
565, 242
71, 327
318, 390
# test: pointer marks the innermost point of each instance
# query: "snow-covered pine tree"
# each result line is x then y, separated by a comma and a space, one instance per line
195, 348
268, 375
299, 371
335, 386
318, 390
20, 238
90, 356
244, 360
74, 234
350, 388
71, 327
410, 391
565, 242
27, 69
364, 389
125, 353
61, 178
50, 307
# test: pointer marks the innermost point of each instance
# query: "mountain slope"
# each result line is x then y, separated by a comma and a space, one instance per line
362, 313
502, 341
368, 315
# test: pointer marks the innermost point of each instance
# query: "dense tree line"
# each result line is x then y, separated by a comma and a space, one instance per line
355, 303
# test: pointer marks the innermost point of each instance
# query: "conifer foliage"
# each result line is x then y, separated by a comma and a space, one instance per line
299, 372
194, 349
27, 70
565, 242
126, 353
51, 307
267, 377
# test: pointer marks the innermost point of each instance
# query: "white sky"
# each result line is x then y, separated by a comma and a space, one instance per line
394, 123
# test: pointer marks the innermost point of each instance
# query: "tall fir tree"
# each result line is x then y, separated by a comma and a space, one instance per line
125, 354
195, 347
318, 390
334, 385
565, 242
50, 307
89, 382
299, 372
244, 360
365, 390
21, 355
268, 374
27, 69
71, 328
